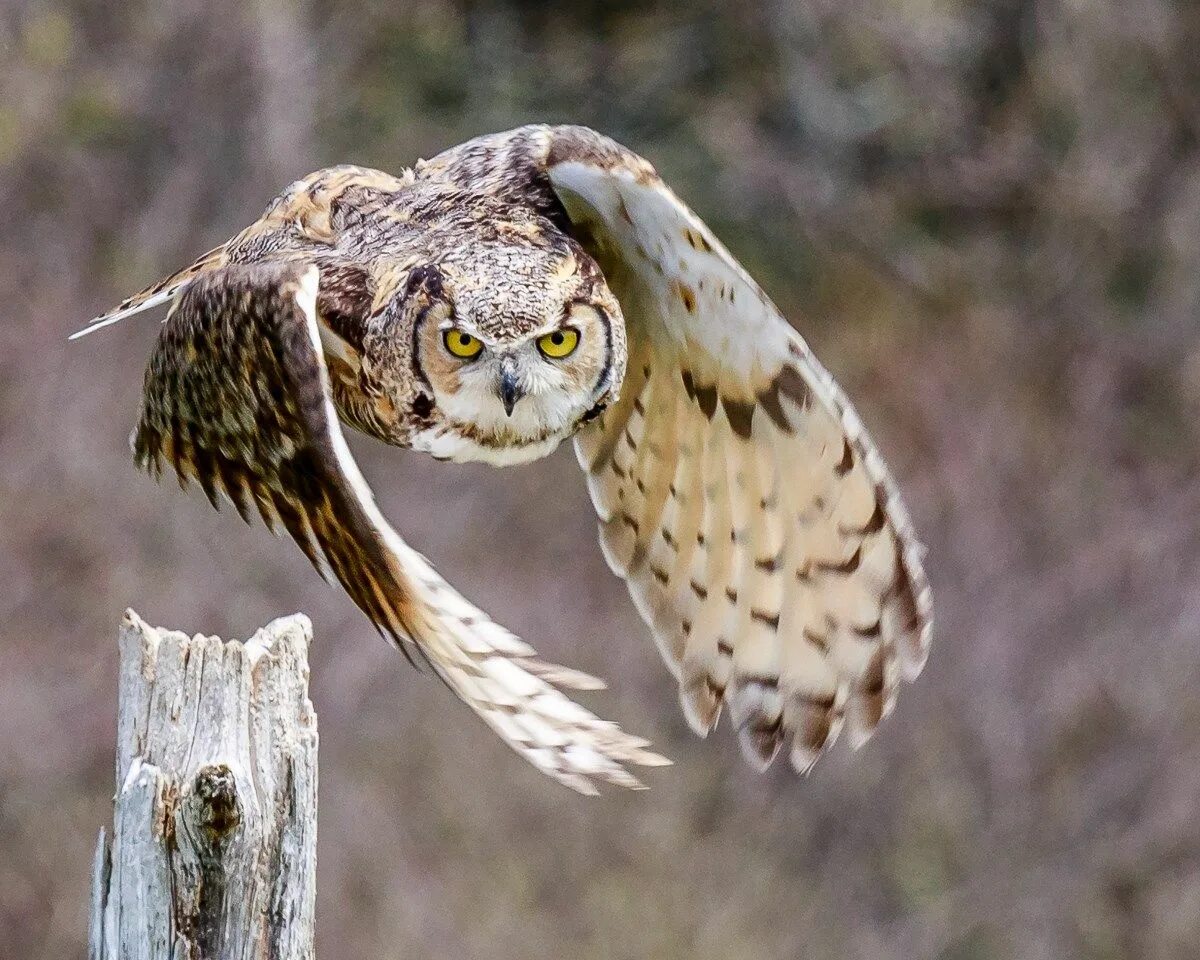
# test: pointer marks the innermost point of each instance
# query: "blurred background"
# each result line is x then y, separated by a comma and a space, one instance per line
985, 218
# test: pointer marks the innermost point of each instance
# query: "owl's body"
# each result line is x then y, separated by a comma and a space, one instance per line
510, 293
509, 266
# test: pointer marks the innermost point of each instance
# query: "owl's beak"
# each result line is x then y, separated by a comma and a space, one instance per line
510, 388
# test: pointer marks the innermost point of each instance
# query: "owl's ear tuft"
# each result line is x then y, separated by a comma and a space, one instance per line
427, 279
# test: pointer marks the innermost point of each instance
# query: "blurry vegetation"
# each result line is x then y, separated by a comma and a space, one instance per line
984, 216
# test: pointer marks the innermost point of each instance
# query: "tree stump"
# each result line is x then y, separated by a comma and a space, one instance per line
213, 847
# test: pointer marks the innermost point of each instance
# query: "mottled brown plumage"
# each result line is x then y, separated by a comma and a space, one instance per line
512, 292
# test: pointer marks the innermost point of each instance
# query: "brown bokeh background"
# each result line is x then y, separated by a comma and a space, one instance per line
985, 216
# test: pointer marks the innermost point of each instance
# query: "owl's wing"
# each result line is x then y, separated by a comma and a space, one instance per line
155, 295
237, 398
739, 494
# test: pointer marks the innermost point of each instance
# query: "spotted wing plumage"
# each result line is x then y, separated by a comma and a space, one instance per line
237, 399
758, 528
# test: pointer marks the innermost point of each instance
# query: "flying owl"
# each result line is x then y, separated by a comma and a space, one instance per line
515, 291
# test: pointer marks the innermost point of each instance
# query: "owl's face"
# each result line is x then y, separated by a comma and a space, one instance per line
519, 346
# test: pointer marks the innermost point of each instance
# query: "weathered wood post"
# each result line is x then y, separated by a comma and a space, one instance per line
213, 847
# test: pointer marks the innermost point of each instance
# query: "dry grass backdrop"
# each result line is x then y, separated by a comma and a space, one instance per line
983, 215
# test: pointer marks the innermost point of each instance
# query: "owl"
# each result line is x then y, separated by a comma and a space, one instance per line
486, 305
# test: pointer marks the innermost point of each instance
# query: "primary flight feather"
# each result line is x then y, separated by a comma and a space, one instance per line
512, 292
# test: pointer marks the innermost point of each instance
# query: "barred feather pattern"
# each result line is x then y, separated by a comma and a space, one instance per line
237, 399
760, 533
764, 564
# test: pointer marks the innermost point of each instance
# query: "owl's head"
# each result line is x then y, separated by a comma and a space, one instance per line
519, 340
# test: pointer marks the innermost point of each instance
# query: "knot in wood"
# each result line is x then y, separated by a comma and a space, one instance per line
219, 812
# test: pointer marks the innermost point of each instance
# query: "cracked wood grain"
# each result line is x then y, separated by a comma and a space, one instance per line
212, 853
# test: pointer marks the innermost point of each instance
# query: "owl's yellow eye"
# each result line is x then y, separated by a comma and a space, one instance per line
461, 344
559, 344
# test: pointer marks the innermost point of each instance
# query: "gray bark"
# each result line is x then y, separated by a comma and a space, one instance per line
213, 847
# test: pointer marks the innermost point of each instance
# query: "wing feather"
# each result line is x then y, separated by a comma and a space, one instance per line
237, 399
159, 293
759, 530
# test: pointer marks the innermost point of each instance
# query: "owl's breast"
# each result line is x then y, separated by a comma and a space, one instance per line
450, 443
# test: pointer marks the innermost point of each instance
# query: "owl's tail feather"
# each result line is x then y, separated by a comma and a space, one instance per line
159, 293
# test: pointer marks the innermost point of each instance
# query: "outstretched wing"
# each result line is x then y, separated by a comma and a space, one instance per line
297, 225
759, 530
237, 398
